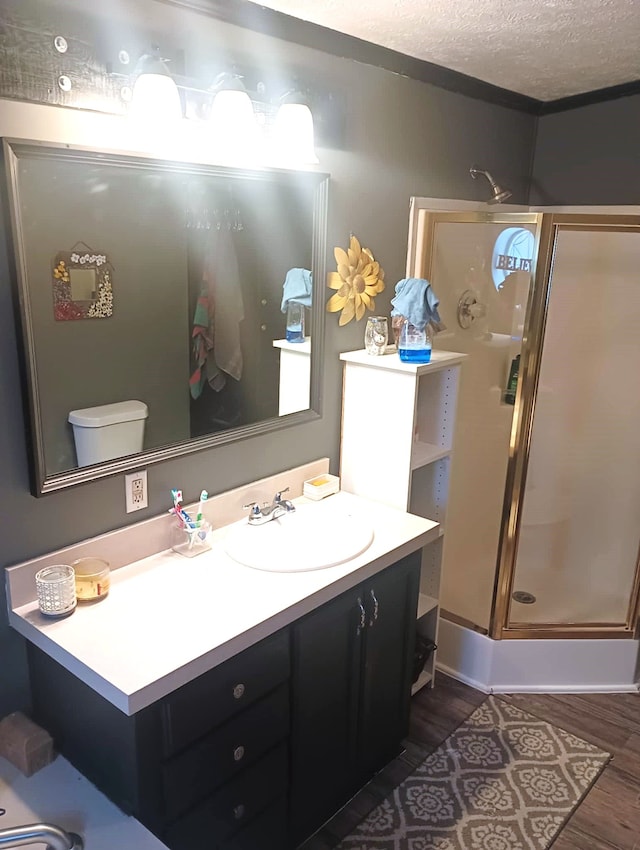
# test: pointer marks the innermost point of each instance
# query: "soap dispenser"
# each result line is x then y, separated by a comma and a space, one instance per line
295, 322
414, 345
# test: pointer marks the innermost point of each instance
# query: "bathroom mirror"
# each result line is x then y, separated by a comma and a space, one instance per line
193, 326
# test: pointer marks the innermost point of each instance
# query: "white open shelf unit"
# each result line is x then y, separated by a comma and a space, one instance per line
425, 453
425, 678
397, 440
425, 604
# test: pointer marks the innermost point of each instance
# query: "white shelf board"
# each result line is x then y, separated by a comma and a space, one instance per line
440, 532
423, 679
423, 454
391, 361
426, 604
295, 347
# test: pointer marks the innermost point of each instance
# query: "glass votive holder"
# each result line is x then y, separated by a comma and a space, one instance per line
376, 335
56, 589
191, 541
396, 326
92, 578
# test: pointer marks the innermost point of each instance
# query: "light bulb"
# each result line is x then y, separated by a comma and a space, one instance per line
233, 125
293, 134
155, 99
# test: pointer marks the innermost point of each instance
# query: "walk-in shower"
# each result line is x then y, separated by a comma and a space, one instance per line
543, 515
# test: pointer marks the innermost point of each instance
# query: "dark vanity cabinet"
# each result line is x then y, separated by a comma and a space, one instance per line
351, 683
205, 767
256, 753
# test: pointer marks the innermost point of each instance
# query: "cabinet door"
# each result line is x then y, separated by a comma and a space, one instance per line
391, 604
327, 646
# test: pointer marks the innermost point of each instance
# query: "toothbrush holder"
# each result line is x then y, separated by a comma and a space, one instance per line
191, 541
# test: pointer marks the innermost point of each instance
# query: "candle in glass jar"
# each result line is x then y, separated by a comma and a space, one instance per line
92, 578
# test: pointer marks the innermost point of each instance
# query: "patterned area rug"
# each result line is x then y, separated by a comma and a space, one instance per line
504, 780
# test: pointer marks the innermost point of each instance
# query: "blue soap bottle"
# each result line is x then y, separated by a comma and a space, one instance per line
414, 345
295, 322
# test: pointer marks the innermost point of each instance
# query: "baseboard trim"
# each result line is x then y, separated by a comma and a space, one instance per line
537, 666
621, 688
461, 677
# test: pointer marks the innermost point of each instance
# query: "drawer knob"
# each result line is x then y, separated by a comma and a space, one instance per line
238, 691
238, 753
238, 811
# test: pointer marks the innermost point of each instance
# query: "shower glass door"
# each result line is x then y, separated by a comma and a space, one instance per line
575, 507
480, 266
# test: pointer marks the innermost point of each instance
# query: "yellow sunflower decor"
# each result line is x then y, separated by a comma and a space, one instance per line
358, 279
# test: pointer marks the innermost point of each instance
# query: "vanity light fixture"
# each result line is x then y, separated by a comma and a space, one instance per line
293, 135
223, 120
155, 95
232, 120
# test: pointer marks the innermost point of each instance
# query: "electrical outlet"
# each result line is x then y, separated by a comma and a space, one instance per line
135, 488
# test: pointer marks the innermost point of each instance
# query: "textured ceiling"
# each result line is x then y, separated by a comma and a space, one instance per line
545, 49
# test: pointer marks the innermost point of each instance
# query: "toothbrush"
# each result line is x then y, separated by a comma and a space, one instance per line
203, 498
176, 496
199, 518
182, 515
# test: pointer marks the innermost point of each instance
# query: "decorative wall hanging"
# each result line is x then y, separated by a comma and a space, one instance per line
82, 284
359, 278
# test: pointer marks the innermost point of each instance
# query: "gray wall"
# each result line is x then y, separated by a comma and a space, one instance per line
589, 155
403, 138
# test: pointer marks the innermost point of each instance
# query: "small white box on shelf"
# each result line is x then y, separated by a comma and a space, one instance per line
320, 486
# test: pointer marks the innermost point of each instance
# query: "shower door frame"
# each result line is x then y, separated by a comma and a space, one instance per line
520, 443
423, 219
422, 235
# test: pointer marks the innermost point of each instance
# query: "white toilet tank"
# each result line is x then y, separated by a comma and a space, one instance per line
108, 431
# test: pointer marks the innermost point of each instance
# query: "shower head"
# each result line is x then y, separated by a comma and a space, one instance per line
498, 194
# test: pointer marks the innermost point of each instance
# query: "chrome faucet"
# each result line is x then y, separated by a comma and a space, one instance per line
259, 515
40, 833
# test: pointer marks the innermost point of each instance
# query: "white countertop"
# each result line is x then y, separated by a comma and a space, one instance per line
61, 796
168, 618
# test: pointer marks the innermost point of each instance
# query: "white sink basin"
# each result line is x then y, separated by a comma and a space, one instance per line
312, 537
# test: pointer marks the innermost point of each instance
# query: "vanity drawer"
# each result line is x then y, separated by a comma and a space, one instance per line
267, 832
193, 774
209, 700
234, 807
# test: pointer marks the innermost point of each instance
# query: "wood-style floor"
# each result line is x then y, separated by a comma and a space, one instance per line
609, 816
